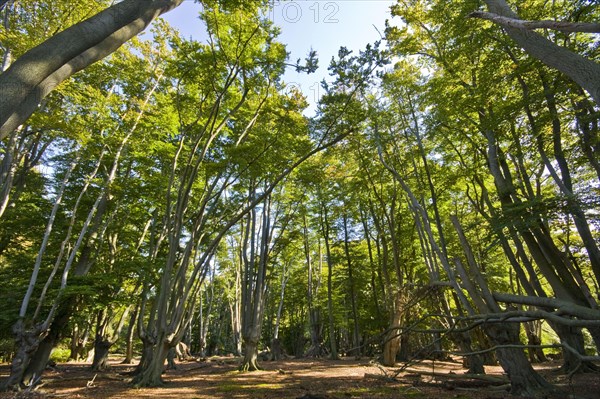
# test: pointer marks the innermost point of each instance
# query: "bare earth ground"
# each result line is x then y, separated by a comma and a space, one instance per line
298, 378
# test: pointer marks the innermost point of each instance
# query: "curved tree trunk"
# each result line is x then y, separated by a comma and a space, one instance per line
39, 359
147, 348
37, 72
524, 381
26, 343
583, 71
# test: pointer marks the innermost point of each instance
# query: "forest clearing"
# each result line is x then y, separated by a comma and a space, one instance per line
168, 196
218, 378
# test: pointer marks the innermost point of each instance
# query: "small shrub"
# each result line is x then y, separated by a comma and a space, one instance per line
60, 355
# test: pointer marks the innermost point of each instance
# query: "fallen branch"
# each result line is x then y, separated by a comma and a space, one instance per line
479, 377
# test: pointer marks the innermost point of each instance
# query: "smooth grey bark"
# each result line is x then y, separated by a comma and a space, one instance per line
330, 318
235, 310
565, 181
583, 71
368, 239
316, 348
36, 73
356, 346
129, 336
563, 26
204, 320
257, 245
277, 352
587, 123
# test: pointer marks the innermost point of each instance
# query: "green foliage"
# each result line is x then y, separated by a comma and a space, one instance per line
60, 354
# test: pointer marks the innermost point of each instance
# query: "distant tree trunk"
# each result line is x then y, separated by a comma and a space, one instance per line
372, 264
533, 331
101, 348
314, 311
325, 228
79, 342
391, 343
106, 336
171, 365
256, 250
205, 319
235, 310
356, 348
129, 337
276, 348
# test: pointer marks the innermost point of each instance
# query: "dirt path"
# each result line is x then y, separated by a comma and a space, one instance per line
344, 379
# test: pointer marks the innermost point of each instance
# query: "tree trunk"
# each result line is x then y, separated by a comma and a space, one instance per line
316, 327
332, 340
147, 349
129, 339
474, 363
151, 374
37, 72
583, 71
26, 343
356, 349
536, 355
277, 352
171, 365
391, 344
250, 361
39, 360
101, 348
524, 381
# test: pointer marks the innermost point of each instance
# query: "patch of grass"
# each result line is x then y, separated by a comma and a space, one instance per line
269, 386
249, 387
229, 387
381, 391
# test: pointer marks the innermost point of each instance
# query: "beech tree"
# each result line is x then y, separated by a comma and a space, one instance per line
582, 70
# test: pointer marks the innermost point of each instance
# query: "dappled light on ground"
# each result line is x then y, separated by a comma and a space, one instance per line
297, 378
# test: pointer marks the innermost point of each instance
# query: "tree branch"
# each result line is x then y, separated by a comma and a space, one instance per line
587, 27
562, 306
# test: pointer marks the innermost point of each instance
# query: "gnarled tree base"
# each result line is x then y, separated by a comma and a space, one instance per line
250, 362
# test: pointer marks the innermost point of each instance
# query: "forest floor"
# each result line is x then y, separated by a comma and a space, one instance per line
218, 378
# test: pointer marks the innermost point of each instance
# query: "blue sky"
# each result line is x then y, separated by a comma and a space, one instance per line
321, 25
